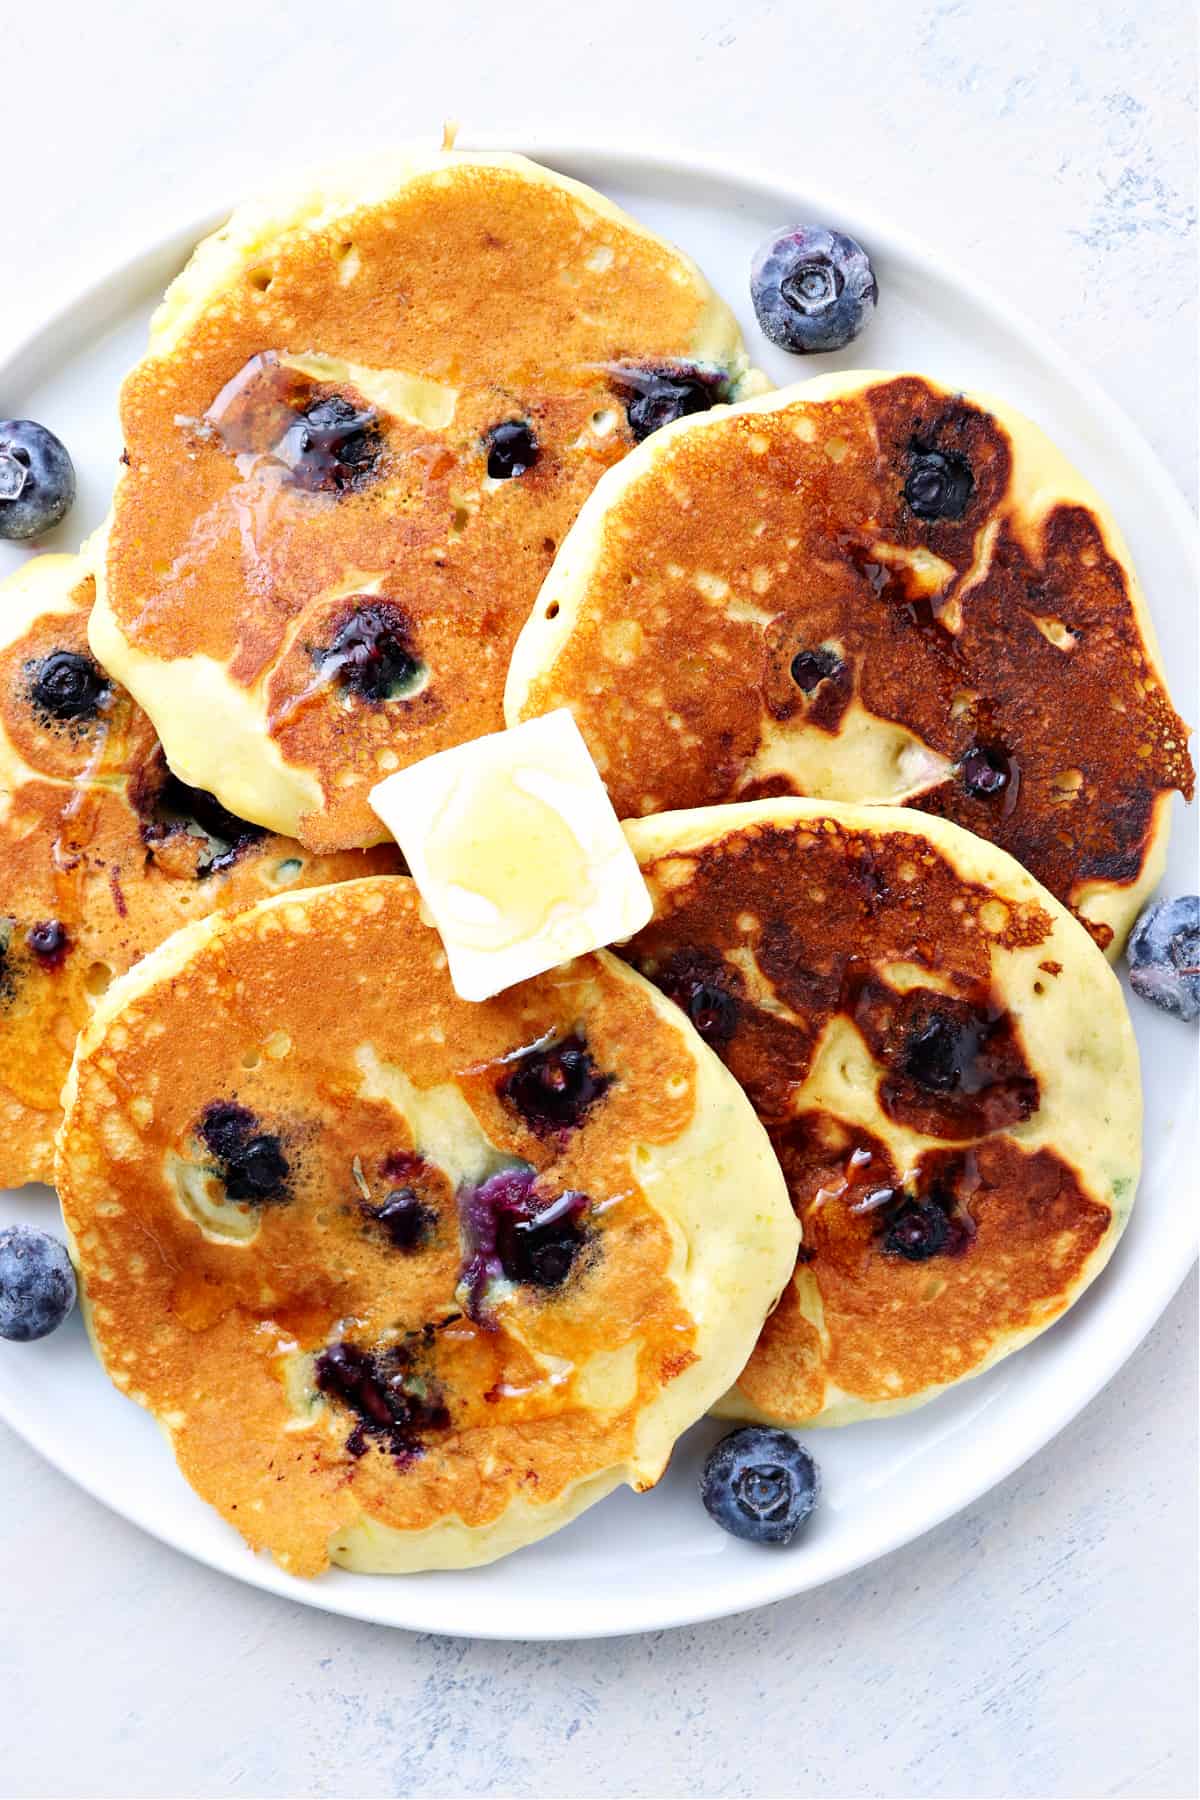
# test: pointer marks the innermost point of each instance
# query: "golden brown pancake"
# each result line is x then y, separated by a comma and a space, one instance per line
944, 1064
102, 852
409, 1281
368, 415
868, 588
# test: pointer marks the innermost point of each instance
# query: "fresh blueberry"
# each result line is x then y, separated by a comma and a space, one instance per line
68, 686
37, 479
371, 654
1164, 956
939, 483
512, 449
37, 1284
759, 1485
657, 395
812, 289
554, 1089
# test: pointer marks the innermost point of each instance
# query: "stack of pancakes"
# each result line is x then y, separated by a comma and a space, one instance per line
443, 443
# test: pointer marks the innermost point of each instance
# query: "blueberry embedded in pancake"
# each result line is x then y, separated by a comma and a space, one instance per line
866, 588
103, 851
388, 397
943, 1062
429, 1277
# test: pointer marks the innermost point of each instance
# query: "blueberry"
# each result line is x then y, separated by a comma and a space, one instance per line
49, 942
694, 986
917, 1232
252, 1164
657, 395
68, 686
541, 1247
986, 771
332, 447
512, 449
812, 289
371, 654
759, 1485
1164, 956
392, 1401
37, 1284
37, 479
406, 1222
554, 1089
811, 667
939, 483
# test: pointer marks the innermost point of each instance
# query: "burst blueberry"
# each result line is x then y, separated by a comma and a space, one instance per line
371, 654
251, 1163
68, 686
37, 1284
657, 394
939, 483
404, 1218
1164, 956
917, 1232
555, 1087
813, 289
37, 479
760, 1485
512, 449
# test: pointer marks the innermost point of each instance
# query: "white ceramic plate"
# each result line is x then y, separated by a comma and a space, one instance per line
636, 1564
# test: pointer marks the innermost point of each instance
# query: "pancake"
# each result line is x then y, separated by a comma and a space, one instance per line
761, 603
369, 412
102, 853
944, 1064
409, 1281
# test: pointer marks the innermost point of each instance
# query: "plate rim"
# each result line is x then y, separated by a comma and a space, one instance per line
778, 1579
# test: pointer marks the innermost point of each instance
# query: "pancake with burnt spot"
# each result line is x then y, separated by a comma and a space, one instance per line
868, 588
944, 1064
369, 412
103, 853
410, 1281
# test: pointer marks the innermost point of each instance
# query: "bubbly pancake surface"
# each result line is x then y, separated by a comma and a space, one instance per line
367, 418
867, 588
102, 854
410, 1281
945, 1068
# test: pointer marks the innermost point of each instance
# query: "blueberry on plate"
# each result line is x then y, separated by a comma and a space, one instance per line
37, 1284
37, 479
812, 289
759, 1484
1164, 956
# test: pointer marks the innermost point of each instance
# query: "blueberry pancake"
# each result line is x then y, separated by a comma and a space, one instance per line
867, 588
409, 1281
369, 412
943, 1062
103, 852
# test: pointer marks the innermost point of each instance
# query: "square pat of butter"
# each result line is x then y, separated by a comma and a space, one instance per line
517, 852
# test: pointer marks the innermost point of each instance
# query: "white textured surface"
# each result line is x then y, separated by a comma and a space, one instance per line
1044, 1642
